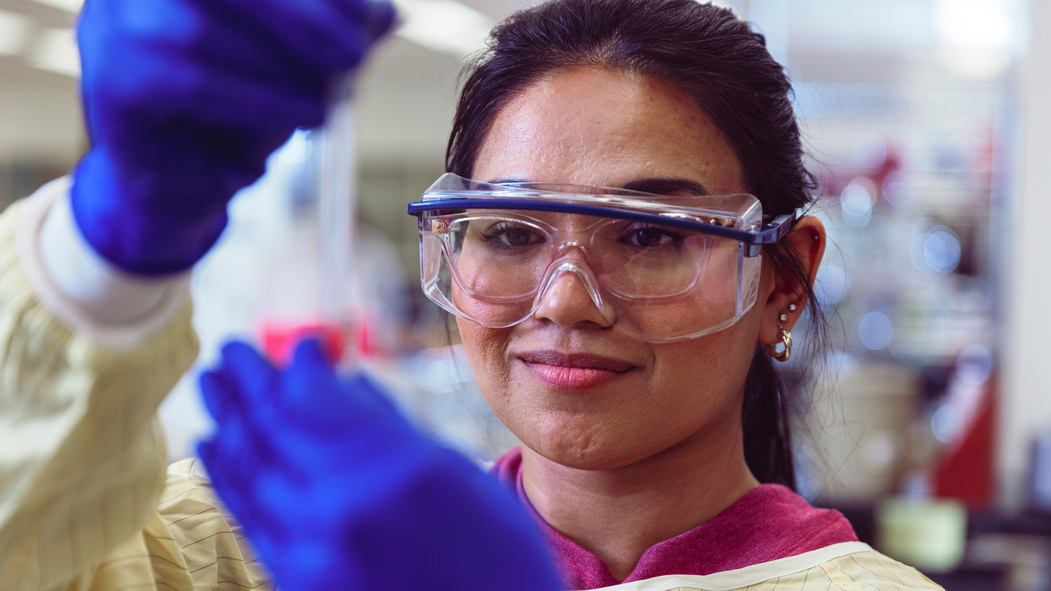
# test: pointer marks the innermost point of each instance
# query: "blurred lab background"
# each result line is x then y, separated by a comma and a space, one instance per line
929, 422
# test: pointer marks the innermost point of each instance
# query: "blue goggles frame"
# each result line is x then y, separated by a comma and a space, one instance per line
753, 239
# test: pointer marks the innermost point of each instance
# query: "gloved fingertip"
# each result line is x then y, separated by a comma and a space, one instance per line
310, 352
233, 350
379, 17
206, 450
249, 374
211, 386
215, 393
212, 379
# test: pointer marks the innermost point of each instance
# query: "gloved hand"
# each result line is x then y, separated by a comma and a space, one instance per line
185, 99
337, 491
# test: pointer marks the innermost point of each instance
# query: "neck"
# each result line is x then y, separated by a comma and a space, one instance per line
617, 514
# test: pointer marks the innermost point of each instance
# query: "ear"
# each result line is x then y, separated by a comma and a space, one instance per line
807, 239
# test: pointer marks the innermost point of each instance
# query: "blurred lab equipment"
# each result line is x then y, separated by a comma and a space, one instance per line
1039, 478
925, 533
910, 169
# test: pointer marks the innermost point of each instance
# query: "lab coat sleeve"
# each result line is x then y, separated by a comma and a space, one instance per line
82, 458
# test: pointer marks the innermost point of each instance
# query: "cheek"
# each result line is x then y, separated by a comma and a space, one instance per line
709, 372
486, 350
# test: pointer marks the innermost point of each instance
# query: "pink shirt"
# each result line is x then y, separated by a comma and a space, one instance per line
768, 523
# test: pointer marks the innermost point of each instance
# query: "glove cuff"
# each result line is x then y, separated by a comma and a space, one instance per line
112, 308
143, 234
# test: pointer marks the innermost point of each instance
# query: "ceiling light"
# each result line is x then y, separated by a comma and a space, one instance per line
56, 51
443, 25
14, 30
980, 37
72, 6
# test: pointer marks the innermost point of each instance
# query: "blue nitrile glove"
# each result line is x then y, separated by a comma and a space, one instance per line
337, 491
185, 99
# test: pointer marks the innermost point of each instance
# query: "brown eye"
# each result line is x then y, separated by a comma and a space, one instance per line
516, 237
511, 235
647, 237
650, 236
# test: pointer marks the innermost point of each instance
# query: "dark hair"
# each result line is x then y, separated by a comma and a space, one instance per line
715, 58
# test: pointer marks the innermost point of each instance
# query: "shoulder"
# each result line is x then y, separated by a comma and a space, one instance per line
850, 566
872, 569
810, 528
188, 543
196, 521
199, 533
769, 523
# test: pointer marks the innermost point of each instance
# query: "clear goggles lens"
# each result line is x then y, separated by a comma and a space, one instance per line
657, 268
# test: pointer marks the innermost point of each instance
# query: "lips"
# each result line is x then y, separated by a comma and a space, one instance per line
573, 371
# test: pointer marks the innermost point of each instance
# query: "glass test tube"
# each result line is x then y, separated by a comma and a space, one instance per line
337, 217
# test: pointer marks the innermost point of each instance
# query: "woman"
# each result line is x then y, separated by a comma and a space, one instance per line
626, 341
634, 453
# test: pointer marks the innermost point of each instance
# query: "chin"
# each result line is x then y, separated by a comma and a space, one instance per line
581, 449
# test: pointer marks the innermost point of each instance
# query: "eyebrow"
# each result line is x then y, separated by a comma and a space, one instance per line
667, 186
657, 186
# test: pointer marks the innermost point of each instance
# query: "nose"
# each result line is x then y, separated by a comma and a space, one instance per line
571, 298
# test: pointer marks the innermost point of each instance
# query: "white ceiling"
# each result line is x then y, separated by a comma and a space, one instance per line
406, 91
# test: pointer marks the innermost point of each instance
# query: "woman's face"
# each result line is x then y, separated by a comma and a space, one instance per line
570, 386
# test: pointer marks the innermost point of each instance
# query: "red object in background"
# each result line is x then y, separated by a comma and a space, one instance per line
279, 341
965, 471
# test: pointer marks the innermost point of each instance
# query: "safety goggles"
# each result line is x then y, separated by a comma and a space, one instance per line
657, 267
